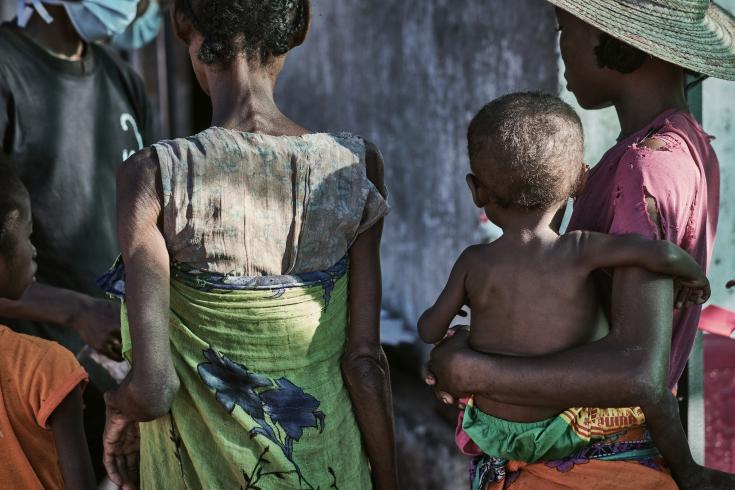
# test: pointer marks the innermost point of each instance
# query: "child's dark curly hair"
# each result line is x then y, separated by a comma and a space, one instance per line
262, 29
617, 55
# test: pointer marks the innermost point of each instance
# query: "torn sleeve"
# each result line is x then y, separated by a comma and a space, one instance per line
667, 176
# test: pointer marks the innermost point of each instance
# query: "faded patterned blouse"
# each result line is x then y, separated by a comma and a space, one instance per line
250, 204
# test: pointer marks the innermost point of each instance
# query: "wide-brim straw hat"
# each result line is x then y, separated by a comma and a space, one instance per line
695, 34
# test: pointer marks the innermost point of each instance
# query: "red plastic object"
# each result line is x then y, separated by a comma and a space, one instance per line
719, 391
718, 321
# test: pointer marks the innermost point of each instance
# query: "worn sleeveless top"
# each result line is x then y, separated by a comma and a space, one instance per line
250, 204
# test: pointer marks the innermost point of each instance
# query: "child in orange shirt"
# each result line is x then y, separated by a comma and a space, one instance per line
42, 441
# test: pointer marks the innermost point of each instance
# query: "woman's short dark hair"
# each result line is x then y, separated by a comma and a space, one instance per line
617, 55
262, 29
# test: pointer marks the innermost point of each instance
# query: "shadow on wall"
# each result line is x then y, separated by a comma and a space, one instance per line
409, 75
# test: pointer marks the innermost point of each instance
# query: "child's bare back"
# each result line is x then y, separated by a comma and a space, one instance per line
532, 294
529, 299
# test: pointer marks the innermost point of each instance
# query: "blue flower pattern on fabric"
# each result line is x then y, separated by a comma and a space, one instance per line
293, 409
286, 405
233, 384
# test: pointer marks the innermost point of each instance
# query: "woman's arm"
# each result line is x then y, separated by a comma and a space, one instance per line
148, 390
629, 367
364, 365
96, 320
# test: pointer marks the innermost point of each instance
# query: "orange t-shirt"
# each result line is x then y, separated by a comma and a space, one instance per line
35, 377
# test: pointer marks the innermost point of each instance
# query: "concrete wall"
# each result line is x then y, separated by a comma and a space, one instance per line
409, 75
7, 9
719, 120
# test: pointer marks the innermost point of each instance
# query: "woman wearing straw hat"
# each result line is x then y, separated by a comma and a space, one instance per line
660, 180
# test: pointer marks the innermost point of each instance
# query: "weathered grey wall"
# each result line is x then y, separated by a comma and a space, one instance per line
7, 9
409, 75
719, 120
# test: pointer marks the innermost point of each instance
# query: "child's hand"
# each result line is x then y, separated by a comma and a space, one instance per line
454, 329
691, 292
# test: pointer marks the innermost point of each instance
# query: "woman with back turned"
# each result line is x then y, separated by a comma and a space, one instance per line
252, 274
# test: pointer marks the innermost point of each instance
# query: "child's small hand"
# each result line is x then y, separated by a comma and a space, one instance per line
454, 329
691, 292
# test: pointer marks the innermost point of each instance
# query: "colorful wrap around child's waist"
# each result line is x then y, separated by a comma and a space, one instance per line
547, 439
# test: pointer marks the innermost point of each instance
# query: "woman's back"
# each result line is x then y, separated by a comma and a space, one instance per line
247, 204
257, 229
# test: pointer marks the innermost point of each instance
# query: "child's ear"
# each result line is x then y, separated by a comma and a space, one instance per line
479, 194
582, 182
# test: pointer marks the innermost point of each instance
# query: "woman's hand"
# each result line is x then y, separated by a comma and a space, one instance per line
442, 372
121, 444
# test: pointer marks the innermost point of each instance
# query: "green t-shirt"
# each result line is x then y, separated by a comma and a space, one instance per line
67, 126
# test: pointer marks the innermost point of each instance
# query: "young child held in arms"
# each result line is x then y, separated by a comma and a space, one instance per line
531, 291
42, 441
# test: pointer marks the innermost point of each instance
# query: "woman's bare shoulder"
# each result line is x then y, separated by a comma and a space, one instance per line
141, 168
139, 177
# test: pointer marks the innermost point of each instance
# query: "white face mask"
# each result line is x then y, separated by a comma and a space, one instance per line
94, 20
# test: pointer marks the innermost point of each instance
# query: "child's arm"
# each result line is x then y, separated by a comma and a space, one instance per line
599, 250
434, 322
96, 320
71, 445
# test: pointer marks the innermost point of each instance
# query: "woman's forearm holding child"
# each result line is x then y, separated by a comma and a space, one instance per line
627, 368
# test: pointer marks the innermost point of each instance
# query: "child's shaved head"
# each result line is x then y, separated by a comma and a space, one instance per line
527, 149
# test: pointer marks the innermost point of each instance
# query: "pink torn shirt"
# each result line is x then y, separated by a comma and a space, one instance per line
684, 179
